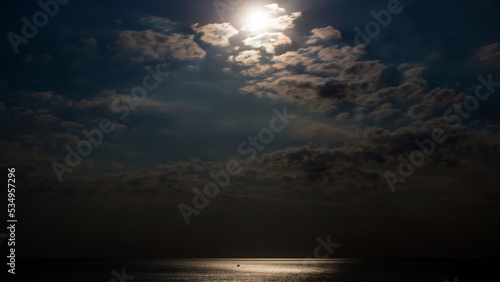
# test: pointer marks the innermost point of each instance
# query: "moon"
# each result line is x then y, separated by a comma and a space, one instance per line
257, 20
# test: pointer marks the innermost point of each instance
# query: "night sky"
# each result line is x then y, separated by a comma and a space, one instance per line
193, 128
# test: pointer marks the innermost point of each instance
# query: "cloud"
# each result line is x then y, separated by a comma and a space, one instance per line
192, 51
46, 118
315, 166
47, 95
321, 60
488, 56
324, 33
284, 22
216, 34
268, 41
72, 125
343, 116
247, 57
150, 44
293, 58
258, 70
367, 73
157, 23
309, 129
336, 90
337, 54
384, 111
39, 116
298, 88
329, 76
274, 20
334, 78
443, 97
421, 111
275, 9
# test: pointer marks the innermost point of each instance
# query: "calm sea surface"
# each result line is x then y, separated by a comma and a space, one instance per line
340, 270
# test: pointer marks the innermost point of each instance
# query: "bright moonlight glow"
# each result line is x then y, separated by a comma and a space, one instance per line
257, 21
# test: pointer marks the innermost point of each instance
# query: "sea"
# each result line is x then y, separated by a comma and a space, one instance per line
340, 270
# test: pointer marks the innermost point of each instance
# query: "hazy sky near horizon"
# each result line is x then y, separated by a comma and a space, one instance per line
365, 81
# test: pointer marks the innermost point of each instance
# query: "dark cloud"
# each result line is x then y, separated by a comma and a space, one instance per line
421, 111
216, 34
150, 44
268, 41
324, 33
488, 56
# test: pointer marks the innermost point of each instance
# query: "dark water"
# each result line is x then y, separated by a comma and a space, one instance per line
340, 270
